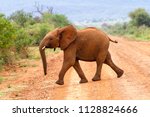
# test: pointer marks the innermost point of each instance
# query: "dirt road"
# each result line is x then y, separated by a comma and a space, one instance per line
132, 56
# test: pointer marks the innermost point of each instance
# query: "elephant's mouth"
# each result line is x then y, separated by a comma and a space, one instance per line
48, 47
43, 48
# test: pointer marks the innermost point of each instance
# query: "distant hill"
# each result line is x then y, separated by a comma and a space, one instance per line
80, 12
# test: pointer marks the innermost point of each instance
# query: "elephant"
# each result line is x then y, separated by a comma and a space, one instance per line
89, 44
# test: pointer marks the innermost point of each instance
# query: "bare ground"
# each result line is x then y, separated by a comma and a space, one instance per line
132, 56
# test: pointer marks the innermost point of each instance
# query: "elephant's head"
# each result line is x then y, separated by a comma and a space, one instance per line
60, 37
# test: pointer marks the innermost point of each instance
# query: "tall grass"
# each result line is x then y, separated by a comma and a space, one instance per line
128, 30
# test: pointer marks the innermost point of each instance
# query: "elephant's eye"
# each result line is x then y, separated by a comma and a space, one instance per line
51, 39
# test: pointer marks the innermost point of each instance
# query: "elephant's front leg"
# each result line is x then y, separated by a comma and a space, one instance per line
78, 69
65, 67
97, 76
69, 60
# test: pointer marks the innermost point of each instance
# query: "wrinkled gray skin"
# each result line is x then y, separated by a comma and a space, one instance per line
89, 44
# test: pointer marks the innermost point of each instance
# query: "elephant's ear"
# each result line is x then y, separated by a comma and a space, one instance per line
66, 36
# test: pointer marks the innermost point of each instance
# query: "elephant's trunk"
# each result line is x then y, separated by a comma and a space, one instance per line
42, 52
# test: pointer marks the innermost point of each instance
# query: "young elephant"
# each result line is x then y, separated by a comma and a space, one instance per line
89, 44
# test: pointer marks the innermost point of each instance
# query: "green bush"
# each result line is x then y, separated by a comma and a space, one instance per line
23, 41
118, 28
37, 31
140, 17
47, 18
57, 19
7, 33
60, 20
7, 38
22, 18
21, 30
140, 33
138, 27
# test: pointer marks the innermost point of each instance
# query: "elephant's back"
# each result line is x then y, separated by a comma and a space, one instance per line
94, 36
92, 33
90, 42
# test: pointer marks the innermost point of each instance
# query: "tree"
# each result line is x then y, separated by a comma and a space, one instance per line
21, 18
140, 17
60, 20
2, 15
40, 9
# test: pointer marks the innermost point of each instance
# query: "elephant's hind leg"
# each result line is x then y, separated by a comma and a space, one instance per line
78, 69
97, 76
109, 62
100, 60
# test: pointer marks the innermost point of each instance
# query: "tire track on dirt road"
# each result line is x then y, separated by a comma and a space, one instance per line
135, 60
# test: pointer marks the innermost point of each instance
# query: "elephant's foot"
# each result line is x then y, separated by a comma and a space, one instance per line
83, 80
120, 73
60, 82
96, 78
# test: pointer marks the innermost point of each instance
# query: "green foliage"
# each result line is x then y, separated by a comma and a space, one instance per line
1, 63
46, 18
118, 28
57, 19
140, 33
22, 18
23, 41
47, 23
60, 20
138, 28
2, 15
38, 31
21, 30
7, 39
7, 33
140, 17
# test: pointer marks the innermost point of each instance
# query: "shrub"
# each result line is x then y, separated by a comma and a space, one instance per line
22, 18
140, 33
138, 27
22, 30
23, 41
37, 31
7, 38
118, 28
57, 19
140, 17
7, 33
60, 20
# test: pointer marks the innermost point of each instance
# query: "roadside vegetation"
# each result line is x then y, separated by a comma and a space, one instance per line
22, 30
137, 28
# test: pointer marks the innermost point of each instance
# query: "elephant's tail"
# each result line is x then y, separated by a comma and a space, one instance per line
113, 40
